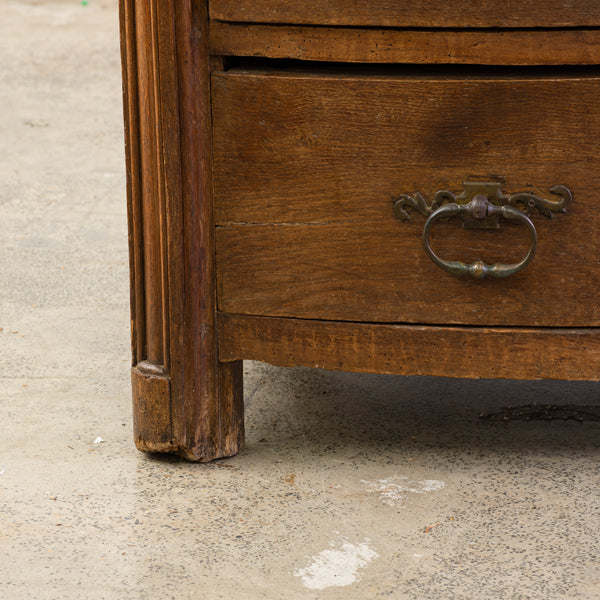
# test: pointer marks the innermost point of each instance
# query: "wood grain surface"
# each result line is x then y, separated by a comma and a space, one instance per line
414, 350
307, 168
418, 13
484, 47
281, 213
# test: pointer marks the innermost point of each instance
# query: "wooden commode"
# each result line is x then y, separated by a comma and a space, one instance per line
362, 185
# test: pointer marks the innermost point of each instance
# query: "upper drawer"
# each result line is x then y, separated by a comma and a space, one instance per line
418, 13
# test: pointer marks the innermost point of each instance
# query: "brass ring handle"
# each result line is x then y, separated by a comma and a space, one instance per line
480, 208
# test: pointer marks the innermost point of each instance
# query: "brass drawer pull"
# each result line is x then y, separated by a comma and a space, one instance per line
481, 206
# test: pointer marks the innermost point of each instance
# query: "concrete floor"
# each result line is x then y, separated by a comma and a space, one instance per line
349, 486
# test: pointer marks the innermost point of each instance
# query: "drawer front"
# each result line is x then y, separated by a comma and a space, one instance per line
419, 13
307, 169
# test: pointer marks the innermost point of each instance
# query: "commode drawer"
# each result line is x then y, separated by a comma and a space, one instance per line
316, 174
418, 13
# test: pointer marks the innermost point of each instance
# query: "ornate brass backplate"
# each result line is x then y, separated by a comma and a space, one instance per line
481, 206
524, 201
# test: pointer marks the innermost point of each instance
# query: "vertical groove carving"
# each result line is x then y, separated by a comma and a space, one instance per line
134, 199
149, 128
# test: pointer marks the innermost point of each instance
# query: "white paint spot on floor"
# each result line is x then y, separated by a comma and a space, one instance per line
339, 565
393, 491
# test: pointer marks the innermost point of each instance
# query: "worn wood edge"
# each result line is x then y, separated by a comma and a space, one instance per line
497, 47
473, 353
152, 427
151, 422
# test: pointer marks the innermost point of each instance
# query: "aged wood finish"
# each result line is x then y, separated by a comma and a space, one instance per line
260, 199
481, 47
307, 167
418, 13
413, 350
185, 401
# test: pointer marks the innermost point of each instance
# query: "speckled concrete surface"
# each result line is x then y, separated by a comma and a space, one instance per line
349, 486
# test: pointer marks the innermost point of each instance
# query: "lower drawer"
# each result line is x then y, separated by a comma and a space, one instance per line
308, 166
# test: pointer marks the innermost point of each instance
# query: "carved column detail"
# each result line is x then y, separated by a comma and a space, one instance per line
184, 399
